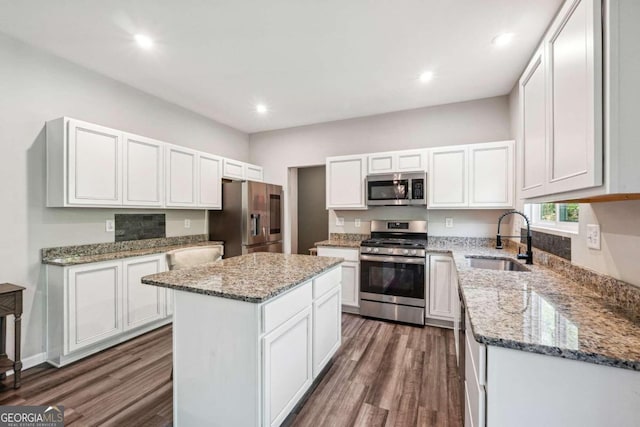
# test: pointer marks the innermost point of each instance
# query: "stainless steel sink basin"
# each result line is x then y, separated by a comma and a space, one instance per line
504, 264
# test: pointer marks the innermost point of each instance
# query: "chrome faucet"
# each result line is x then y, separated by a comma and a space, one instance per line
529, 255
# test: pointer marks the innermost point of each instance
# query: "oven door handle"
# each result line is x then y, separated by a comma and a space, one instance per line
397, 260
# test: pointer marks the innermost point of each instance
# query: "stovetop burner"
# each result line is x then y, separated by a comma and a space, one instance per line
395, 242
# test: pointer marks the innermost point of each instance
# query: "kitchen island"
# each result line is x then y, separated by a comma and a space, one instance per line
250, 335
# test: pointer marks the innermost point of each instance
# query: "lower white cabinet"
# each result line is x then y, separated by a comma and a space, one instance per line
350, 274
91, 307
442, 287
142, 303
287, 366
505, 387
253, 362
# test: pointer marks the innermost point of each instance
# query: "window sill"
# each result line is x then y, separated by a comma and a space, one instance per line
556, 231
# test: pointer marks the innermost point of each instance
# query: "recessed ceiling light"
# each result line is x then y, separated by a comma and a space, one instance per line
502, 39
427, 76
143, 41
261, 109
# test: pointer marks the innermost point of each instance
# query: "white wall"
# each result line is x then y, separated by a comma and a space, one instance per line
619, 225
36, 87
481, 120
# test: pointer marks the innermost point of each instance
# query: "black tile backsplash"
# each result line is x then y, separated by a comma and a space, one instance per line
139, 226
556, 245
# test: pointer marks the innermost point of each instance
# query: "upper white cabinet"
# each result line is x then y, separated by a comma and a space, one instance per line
397, 162
143, 171
84, 164
209, 181
471, 176
533, 110
181, 182
94, 166
345, 182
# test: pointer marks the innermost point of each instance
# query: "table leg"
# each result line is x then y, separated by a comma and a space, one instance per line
17, 365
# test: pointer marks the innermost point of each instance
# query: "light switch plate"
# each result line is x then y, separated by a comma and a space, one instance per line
339, 221
110, 226
187, 223
593, 236
357, 223
448, 222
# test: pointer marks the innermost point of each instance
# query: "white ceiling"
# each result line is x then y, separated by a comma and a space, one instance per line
309, 61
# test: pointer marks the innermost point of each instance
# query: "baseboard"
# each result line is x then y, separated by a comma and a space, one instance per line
30, 362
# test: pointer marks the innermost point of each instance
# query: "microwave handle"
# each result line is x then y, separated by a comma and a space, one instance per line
255, 224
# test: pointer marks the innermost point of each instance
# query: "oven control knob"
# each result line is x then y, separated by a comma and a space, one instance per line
413, 252
405, 252
367, 249
376, 250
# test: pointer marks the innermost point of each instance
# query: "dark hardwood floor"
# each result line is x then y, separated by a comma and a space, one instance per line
385, 374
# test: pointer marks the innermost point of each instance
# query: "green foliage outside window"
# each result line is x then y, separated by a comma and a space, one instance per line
548, 212
569, 212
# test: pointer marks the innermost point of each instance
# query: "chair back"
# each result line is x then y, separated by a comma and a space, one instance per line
180, 259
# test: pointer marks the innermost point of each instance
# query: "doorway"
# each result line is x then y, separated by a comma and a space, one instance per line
313, 217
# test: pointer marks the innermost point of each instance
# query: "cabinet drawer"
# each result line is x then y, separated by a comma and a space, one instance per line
285, 307
347, 254
476, 356
327, 281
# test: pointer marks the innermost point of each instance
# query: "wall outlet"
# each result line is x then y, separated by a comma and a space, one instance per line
110, 226
187, 223
593, 236
448, 222
357, 223
339, 221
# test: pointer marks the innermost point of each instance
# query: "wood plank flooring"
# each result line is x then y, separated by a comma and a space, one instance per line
385, 374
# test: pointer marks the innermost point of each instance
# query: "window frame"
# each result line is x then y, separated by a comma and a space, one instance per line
533, 211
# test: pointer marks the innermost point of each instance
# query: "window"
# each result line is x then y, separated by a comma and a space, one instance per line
559, 216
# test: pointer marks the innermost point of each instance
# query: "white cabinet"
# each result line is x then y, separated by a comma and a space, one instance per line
327, 328
398, 161
84, 164
209, 181
143, 171
448, 177
287, 368
346, 182
472, 176
350, 275
142, 303
94, 309
170, 296
233, 169
442, 287
181, 182
533, 135
253, 172
91, 307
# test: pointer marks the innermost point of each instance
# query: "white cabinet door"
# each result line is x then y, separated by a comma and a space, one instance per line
253, 172
574, 46
441, 287
287, 369
94, 164
170, 297
533, 116
411, 161
209, 181
233, 169
142, 303
93, 304
351, 283
491, 175
143, 171
381, 163
448, 177
346, 182
327, 329
181, 176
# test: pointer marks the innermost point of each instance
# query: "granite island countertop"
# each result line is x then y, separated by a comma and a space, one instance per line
254, 278
543, 312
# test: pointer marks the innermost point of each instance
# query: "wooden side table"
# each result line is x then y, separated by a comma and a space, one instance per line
10, 303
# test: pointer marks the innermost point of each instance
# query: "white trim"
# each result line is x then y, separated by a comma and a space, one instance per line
30, 362
556, 231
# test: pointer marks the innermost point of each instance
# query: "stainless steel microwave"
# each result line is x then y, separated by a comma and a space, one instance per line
397, 189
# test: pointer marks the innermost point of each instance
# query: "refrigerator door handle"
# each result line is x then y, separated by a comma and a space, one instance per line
264, 231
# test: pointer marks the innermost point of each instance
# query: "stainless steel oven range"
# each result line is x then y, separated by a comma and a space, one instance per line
394, 271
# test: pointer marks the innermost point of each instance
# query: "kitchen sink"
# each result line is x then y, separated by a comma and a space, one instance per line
505, 264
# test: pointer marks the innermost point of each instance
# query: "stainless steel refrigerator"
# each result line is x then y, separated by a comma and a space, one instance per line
250, 219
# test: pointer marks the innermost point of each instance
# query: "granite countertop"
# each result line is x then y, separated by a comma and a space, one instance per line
543, 312
254, 278
338, 243
82, 258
